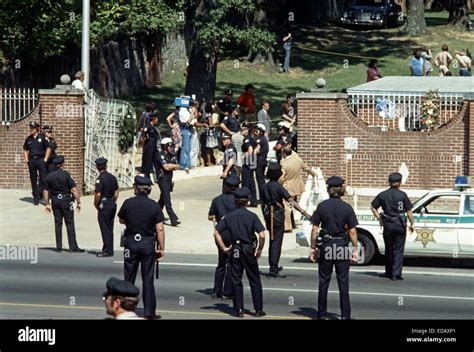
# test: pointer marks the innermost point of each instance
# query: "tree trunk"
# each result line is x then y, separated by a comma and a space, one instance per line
202, 69
459, 14
415, 23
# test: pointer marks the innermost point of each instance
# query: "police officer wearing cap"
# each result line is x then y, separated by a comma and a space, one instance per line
48, 132
36, 152
395, 203
273, 194
220, 206
230, 124
61, 189
143, 220
338, 227
105, 201
121, 299
167, 163
224, 106
285, 138
150, 147
244, 251
229, 162
249, 164
262, 151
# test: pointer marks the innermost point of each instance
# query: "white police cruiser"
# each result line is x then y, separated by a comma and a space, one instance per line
444, 226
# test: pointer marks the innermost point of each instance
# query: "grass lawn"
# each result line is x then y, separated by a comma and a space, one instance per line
342, 67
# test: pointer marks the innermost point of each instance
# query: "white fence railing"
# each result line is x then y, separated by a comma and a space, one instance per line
103, 118
400, 111
16, 103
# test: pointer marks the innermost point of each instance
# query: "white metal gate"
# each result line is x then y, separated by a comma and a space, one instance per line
103, 119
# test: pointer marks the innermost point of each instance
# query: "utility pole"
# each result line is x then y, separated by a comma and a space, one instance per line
85, 66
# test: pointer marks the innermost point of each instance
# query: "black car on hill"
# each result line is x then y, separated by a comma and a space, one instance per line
375, 13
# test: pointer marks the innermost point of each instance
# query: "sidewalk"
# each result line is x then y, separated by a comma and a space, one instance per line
21, 223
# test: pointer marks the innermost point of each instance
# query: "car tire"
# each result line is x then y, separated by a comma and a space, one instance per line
368, 248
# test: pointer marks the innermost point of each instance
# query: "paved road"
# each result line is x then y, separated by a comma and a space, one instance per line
70, 285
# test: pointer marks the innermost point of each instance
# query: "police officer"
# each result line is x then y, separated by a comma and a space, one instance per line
121, 299
395, 204
230, 123
273, 194
36, 152
244, 251
249, 165
143, 221
150, 147
338, 221
220, 206
229, 161
61, 189
224, 106
167, 162
285, 138
48, 132
105, 201
262, 152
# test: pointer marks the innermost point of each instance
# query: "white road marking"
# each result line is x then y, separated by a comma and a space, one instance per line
372, 294
435, 273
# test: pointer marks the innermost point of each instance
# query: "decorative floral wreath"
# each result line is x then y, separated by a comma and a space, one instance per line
430, 106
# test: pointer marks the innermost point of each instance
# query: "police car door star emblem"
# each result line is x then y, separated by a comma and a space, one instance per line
424, 236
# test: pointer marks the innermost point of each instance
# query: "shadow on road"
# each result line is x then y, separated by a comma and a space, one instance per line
28, 200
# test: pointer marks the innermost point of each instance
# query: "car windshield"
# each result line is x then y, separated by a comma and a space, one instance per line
416, 202
368, 2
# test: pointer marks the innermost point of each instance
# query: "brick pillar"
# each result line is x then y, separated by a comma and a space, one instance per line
60, 108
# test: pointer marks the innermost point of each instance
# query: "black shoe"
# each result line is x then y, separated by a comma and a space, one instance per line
396, 278
152, 317
216, 296
385, 275
103, 255
239, 313
346, 318
175, 223
36, 202
260, 313
324, 318
280, 268
227, 297
275, 274
58, 250
77, 250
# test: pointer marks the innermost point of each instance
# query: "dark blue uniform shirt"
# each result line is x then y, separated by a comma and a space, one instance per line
59, 182
333, 215
246, 144
106, 184
231, 123
166, 158
393, 202
225, 106
52, 144
229, 153
273, 194
222, 205
150, 134
141, 214
262, 155
36, 147
241, 224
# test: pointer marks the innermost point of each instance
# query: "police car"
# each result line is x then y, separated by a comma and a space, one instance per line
444, 227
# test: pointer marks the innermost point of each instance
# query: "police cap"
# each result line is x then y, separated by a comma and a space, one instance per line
153, 115
228, 92
48, 128
232, 181
335, 181
274, 171
34, 124
143, 181
122, 288
101, 161
59, 159
242, 193
226, 136
395, 177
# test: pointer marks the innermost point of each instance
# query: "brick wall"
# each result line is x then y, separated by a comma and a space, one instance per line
68, 130
324, 120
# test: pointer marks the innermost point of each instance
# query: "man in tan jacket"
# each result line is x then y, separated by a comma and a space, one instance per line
292, 166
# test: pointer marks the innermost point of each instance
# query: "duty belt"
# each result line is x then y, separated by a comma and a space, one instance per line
137, 237
37, 157
62, 195
242, 243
